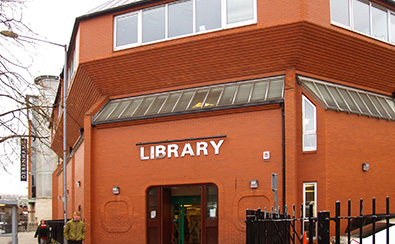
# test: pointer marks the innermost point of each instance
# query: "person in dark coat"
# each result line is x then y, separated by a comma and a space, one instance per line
42, 233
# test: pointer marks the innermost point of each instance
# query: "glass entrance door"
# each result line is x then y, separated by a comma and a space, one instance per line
186, 219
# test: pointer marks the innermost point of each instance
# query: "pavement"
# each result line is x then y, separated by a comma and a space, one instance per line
23, 238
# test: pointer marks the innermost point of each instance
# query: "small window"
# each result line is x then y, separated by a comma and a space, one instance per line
309, 198
309, 126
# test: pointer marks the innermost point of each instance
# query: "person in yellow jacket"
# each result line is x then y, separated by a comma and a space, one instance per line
74, 232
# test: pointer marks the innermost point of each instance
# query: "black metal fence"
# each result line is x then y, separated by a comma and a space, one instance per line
268, 227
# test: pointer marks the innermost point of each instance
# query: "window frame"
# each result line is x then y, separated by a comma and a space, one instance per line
195, 31
309, 132
371, 5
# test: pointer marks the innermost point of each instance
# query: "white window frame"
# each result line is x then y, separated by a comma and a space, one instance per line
305, 206
224, 25
351, 21
309, 132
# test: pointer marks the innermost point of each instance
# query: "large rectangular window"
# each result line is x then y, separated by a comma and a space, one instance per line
309, 125
364, 17
181, 18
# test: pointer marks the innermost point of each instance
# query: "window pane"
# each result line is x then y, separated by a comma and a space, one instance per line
180, 18
212, 97
379, 106
349, 101
126, 30
154, 24
109, 108
327, 97
275, 89
259, 92
243, 93
119, 109
198, 99
208, 15
144, 106
171, 101
239, 10
313, 88
340, 101
212, 202
131, 108
228, 94
157, 104
379, 23
340, 12
370, 105
361, 16
152, 203
359, 102
392, 27
309, 141
184, 100
309, 116
389, 106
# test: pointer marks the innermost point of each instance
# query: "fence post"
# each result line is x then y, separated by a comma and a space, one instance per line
337, 221
323, 227
311, 224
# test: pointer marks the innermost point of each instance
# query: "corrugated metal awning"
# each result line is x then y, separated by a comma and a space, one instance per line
216, 97
350, 100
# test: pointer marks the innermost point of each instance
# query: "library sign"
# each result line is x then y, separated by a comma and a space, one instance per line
170, 149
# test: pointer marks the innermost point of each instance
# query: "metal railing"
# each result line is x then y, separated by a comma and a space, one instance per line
275, 227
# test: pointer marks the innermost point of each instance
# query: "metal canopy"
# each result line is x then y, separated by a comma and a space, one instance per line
229, 95
350, 100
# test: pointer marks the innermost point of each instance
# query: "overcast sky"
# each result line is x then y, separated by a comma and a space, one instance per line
52, 20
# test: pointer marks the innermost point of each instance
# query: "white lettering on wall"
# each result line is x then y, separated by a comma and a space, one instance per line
172, 150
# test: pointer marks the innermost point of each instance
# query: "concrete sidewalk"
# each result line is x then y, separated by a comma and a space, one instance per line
23, 238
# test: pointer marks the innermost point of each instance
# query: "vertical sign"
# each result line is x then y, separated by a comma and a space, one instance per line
23, 159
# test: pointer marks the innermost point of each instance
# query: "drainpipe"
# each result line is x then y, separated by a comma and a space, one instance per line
283, 148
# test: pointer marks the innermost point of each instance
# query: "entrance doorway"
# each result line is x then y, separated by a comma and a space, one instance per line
185, 214
186, 219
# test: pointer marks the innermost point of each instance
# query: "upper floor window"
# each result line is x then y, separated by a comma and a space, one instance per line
181, 18
364, 17
309, 125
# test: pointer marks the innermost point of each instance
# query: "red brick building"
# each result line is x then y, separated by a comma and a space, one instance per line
182, 112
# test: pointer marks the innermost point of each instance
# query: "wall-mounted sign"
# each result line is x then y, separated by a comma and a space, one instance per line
172, 150
23, 159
